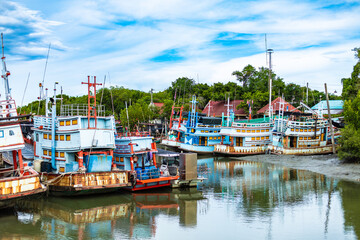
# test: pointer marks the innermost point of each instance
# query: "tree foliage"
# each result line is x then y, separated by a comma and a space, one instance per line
253, 85
349, 150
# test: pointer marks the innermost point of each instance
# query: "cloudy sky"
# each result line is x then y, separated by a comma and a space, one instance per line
144, 44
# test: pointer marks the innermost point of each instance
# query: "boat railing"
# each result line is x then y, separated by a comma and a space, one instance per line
319, 123
44, 122
134, 134
260, 125
8, 108
10, 172
208, 126
81, 110
123, 148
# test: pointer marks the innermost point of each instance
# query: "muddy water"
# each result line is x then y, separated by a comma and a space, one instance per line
237, 200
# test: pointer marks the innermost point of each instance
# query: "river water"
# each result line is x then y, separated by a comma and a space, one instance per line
237, 200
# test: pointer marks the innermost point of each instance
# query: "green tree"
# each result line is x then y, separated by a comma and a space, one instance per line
349, 150
351, 85
244, 76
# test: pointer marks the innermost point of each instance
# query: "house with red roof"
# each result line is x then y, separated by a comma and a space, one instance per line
216, 108
276, 106
158, 105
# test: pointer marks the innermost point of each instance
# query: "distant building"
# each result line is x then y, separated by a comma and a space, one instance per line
336, 106
218, 107
276, 106
158, 105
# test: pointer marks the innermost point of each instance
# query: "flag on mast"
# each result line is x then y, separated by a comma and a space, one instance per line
249, 102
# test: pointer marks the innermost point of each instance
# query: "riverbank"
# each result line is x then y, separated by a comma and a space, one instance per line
329, 165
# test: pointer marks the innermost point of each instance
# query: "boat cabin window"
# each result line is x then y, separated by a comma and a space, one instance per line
37, 137
11, 133
1, 133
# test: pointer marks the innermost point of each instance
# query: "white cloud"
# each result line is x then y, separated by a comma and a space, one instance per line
310, 43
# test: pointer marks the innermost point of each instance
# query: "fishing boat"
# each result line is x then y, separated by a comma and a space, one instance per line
202, 133
138, 153
244, 137
300, 134
74, 151
176, 128
17, 180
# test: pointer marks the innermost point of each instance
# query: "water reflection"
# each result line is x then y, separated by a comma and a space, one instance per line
103, 217
238, 199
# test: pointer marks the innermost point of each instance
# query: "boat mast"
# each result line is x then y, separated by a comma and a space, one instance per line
5, 72
53, 127
228, 112
270, 51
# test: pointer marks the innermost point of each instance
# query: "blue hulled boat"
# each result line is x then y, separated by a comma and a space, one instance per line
202, 133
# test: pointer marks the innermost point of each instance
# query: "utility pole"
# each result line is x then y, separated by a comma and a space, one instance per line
330, 121
270, 51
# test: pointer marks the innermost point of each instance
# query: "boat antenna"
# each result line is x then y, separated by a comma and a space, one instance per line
47, 59
102, 92
5, 72
22, 101
41, 85
112, 99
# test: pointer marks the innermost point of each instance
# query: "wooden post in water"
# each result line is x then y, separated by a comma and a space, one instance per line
330, 121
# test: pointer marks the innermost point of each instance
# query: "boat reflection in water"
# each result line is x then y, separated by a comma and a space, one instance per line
237, 200
106, 217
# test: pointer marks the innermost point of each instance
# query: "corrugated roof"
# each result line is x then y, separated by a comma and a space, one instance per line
276, 105
334, 105
218, 107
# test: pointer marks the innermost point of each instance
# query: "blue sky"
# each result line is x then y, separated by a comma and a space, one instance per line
148, 44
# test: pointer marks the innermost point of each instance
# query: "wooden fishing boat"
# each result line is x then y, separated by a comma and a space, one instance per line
74, 151
300, 137
245, 137
16, 178
202, 133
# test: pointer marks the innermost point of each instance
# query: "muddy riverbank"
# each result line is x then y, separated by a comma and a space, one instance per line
329, 165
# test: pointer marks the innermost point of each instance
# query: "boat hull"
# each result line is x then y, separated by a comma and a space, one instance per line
196, 148
153, 183
86, 183
170, 143
318, 150
13, 188
239, 151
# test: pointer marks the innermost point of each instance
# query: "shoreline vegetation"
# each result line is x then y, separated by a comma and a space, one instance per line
251, 84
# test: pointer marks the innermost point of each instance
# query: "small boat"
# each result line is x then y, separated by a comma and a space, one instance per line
202, 133
17, 180
176, 129
74, 151
138, 154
